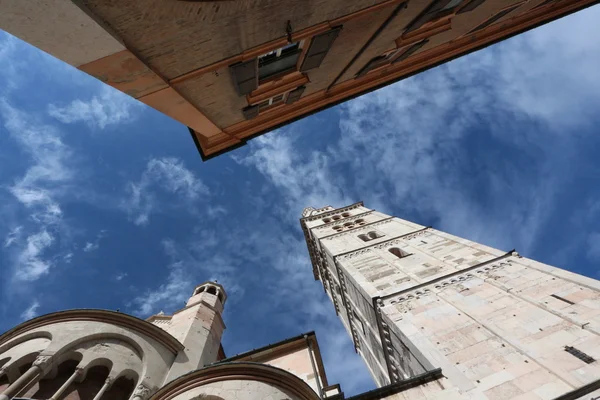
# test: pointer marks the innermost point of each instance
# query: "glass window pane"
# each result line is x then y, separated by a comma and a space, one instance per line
274, 66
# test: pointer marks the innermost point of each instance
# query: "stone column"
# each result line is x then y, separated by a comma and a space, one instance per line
66, 385
107, 384
141, 392
30, 377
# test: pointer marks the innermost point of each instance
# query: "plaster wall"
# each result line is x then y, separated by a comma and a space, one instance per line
297, 362
238, 390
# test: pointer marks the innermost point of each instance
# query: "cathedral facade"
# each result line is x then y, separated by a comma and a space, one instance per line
98, 354
434, 316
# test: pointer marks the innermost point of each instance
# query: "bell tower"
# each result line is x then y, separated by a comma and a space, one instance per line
418, 302
199, 327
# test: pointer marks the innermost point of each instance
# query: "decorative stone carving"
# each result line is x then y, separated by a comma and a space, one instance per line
42, 362
142, 392
347, 219
403, 302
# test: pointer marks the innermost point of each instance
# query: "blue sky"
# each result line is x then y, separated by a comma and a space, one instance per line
105, 203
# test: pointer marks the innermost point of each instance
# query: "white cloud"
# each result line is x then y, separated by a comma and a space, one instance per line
174, 292
89, 246
67, 258
302, 180
121, 276
167, 174
13, 236
31, 265
95, 245
110, 107
37, 191
216, 211
31, 311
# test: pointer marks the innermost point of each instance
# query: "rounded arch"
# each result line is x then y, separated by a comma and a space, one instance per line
4, 361
364, 237
97, 362
240, 371
199, 290
51, 382
24, 338
71, 346
122, 387
211, 290
101, 316
398, 252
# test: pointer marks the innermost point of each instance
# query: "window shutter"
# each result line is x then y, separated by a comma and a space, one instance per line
430, 13
473, 4
412, 49
319, 46
294, 95
250, 112
373, 63
244, 76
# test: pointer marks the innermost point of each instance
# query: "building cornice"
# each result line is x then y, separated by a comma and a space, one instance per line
380, 245
453, 278
332, 212
105, 316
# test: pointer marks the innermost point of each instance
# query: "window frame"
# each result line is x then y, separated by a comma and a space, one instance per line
299, 52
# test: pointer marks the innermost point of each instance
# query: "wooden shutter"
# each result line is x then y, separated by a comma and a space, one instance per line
430, 13
319, 46
372, 64
294, 95
473, 4
250, 112
244, 76
409, 52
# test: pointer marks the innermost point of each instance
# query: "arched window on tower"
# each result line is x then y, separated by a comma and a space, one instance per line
398, 253
364, 237
212, 290
374, 235
199, 290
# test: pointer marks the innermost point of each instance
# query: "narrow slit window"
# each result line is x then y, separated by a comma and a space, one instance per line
579, 354
562, 299
359, 322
